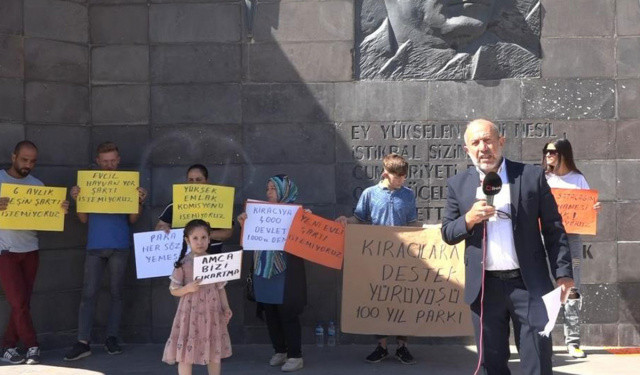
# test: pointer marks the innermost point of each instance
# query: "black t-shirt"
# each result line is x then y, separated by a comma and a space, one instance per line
215, 246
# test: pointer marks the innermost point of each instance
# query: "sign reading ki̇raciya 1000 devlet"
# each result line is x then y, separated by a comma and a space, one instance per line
447, 39
434, 151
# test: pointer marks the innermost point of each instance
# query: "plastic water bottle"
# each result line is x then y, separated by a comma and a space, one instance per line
331, 334
319, 335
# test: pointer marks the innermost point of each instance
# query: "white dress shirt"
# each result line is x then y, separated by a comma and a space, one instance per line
501, 249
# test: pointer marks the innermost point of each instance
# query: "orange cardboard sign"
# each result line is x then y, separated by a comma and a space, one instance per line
576, 209
316, 239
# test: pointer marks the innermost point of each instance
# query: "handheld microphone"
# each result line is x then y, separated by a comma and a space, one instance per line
491, 185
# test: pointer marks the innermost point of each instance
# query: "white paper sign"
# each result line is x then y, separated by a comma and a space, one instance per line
217, 267
156, 252
267, 225
552, 303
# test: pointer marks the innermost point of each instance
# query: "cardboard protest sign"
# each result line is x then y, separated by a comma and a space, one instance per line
156, 252
211, 203
33, 207
108, 192
316, 239
267, 225
403, 281
576, 209
218, 267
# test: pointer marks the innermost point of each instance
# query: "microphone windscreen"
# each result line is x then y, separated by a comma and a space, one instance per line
492, 184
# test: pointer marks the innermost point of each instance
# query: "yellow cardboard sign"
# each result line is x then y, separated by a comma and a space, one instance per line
211, 203
33, 207
108, 192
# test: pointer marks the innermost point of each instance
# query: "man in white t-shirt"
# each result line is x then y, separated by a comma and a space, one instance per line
19, 260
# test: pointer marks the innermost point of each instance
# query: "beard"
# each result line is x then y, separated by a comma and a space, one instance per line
24, 172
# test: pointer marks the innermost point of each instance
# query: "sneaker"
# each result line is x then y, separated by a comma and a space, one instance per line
403, 355
378, 355
111, 345
278, 359
575, 351
12, 356
293, 364
78, 350
33, 355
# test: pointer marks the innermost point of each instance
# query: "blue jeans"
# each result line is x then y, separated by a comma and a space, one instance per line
573, 306
95, 262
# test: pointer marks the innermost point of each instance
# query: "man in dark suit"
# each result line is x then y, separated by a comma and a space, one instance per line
515, 268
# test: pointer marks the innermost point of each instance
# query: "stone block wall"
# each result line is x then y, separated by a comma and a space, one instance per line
251, 93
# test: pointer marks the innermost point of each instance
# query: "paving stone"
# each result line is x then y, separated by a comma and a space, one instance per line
196, 63
601, 176
578, 57
11, 56
49, 60
304, 21
628, 217
55, 19
187, 144
11, 135
627, 56
295, 62
628, 17
177, 23
211, 103
496, 100
277, 103
289, 143
116, 64
590, 139
381, 101
53, 149
628, 173
626, 135
599, 262
628, 260
11, 16
578, 18
121, 24
120, 104
628, 335
599, 303
56, 103
557, 99
629, 302
11, 99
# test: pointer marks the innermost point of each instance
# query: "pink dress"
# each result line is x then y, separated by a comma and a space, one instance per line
199, 333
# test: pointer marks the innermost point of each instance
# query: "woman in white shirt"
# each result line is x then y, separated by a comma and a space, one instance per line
562, 173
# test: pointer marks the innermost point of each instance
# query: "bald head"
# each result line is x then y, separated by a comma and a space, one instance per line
484, 144
481, 124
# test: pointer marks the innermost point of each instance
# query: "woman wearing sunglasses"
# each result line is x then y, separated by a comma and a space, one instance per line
562, 173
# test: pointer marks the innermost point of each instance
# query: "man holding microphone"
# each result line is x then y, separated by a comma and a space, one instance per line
505, 258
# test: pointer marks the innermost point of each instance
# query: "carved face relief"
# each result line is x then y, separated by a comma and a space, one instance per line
455, 21
465, 20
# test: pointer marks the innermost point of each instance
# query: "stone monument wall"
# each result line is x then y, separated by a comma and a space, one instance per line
279, 87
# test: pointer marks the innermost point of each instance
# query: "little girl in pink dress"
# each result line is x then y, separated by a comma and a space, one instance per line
199, 333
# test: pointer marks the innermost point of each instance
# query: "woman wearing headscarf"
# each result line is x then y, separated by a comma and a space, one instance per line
280, 287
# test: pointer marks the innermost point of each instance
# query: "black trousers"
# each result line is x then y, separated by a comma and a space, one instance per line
506, 300
284, 329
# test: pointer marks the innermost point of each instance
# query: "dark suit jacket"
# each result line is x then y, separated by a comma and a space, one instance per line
531, 204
